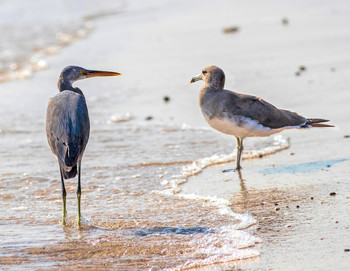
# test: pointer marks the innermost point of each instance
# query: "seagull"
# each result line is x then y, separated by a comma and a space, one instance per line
244, 115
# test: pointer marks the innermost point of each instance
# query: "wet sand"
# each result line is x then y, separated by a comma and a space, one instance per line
158, 48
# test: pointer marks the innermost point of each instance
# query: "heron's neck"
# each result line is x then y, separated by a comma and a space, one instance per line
67, 85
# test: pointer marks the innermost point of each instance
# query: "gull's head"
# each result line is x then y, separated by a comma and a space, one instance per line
212, 76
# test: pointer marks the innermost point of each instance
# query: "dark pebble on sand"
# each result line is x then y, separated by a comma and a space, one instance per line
261, 155
166, 99
149, 118
276, 204
285, 21
277, 208
298, 206
232, 29
297, 73
292, 153
347, 250
347, 136
312, 198
302, 68
332, 194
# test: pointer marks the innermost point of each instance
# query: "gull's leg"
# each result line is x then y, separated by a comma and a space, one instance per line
238, 159
79, 194
64, 194
239, 152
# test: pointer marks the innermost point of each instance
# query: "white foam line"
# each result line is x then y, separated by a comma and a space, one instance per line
222, 246
280, 143
223, 205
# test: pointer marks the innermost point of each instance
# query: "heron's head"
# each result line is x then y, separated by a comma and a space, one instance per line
212, 76
74, 73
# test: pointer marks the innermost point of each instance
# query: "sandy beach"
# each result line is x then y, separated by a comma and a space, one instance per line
295, 202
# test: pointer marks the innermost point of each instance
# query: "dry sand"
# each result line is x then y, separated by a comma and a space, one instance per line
158, 51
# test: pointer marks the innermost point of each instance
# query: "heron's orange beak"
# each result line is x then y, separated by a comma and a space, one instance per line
92, 73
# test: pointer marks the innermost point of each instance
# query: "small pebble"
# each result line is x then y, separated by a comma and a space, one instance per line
347, 136
292, 153
298, 206
149, 118
336, 222
332, 194
232, 29
312, 198
297, 73
166, 99
261, 155
277, 208
285, 21
302, 68
276, 204
347, 250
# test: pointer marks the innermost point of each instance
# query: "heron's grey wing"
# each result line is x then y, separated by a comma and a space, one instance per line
263, 112
67, 127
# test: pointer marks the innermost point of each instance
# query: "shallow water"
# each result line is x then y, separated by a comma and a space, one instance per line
32, 30
124, 201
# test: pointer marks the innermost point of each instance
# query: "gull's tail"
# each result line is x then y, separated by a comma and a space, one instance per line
317, 123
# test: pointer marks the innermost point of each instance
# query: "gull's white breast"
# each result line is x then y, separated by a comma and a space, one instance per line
242, 127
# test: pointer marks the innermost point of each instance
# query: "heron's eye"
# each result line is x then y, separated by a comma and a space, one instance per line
204, 72
83, 73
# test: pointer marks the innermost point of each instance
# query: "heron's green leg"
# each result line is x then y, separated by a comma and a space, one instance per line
239, 152
79, 194
64, 194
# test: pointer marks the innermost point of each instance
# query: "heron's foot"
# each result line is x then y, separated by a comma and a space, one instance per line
64, 215
78, 222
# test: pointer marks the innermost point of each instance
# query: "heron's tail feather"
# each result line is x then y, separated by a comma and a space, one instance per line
69, 174
71, 155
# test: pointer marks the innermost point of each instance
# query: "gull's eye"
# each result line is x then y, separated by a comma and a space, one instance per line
204, 72
83, 73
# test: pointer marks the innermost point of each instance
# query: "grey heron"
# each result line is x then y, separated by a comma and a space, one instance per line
68, 127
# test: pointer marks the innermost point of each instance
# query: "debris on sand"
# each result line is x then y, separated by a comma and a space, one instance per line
166, 99
285, 21
300, 70
232, 29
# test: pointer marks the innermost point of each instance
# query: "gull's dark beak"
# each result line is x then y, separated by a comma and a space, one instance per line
92, 73
196, 78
